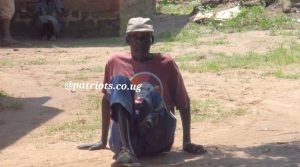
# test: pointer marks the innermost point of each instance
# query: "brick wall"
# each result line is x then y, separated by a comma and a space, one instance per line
88, 18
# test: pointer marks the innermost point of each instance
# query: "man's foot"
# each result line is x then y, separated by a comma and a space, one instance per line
194, 148
126, 158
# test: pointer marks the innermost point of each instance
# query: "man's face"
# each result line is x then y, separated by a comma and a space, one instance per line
140, 43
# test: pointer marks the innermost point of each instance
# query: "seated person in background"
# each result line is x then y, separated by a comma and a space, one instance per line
48, 18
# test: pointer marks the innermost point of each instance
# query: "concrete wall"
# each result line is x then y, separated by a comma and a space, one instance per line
88, 18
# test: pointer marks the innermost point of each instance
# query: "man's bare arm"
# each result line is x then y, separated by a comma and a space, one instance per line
185, 114
186, 124
105, 119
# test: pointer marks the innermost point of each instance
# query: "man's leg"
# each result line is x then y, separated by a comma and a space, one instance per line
7, 11
44, 32
52, 36
126, 154
122, 111
7, 39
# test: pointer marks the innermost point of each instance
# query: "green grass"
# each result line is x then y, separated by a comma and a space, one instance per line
2, 93
85, 127
9, 102
164, 47
286, 75
279, 57
80, 76
5, 62
255, 18
286, 33
249, 19
189, 33
38, 61
212, 110
93, 103
190, 57
98, 69
9, 62
177, 8
79, 130
62, 72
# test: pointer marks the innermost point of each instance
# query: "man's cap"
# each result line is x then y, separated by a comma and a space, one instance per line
139, 24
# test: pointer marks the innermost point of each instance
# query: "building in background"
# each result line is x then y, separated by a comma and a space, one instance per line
87, 18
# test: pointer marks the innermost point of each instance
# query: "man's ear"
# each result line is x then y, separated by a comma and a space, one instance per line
152, 39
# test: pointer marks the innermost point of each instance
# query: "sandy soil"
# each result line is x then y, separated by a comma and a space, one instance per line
268, 135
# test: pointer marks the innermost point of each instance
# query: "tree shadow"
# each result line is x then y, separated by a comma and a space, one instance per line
280, 154
15, 123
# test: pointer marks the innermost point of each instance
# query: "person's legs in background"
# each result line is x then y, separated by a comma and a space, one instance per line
47, 32
7, 10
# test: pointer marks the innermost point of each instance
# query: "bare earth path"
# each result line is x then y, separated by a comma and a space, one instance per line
268, 135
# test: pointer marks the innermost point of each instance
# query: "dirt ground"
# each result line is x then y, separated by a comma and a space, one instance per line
268, 135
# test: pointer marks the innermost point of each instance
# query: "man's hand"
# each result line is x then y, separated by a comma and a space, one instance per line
92, 146
194, 148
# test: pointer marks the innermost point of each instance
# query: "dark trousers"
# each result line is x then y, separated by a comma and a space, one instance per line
152, 125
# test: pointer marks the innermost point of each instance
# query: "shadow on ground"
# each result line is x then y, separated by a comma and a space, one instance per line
16, 123
285, 154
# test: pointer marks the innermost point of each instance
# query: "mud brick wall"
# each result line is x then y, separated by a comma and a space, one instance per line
87, 18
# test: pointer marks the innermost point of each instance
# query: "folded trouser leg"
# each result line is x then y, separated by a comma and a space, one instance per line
125, 99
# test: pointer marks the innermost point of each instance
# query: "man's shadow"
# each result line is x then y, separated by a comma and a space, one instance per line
276, 154
173, 158
19, 116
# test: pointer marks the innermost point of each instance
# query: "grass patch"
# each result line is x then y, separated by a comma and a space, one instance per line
87, 125
249, 19
278, 57
189, 33
38, 61
93, 103
158, 48
254, 18
77, 61
175, 8
62, 72
99, 68
4, 62
11, 63
9, 102
211, 110
78, 130
285, 75
77, 77
190, 57
2, 93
